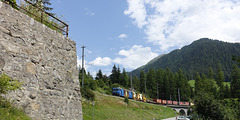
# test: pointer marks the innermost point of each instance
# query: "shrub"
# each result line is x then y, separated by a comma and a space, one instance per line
11, 2
4, 103
126, 100
88, 94
8, 84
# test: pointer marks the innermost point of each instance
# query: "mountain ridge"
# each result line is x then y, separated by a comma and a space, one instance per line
196, 57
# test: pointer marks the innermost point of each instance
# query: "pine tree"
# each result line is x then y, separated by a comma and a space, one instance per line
173, 86
166, 83
159, 77
210, 73
99, 75
220, 80
151, 83
136, 83
124, 79
235, 78
197, 83
43, 4
142, 81
227, 92
114, 76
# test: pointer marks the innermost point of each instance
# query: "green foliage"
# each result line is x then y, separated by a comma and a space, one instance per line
9, 112
151, 83
220, 81
207, 103
126, 100
8, 84
192, 83
115, 76
42, 17
124, 79
88, 80
197, 57
212, 109
142, 79
235, 58
99, 75
12, 3
235, 81
101, 83
88, 94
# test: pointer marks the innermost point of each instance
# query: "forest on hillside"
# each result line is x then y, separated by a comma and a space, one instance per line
197, 57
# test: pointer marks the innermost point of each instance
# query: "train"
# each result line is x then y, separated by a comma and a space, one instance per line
117, 91
129, 94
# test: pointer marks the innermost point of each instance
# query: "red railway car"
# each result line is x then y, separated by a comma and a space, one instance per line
158, 101
169, 102
180, 103
175, 102
164, 102
186, 103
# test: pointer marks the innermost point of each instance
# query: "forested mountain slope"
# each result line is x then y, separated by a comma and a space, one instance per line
197, 57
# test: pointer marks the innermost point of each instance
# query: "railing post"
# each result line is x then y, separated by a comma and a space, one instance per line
67, 31
41, 7
42, 17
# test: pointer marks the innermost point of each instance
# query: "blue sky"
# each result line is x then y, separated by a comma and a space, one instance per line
129, 33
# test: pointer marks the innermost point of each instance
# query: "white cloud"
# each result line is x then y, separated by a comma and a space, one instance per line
79, 63
89, 12
121, 36
136, 11
135, 57
101, 61
174, 23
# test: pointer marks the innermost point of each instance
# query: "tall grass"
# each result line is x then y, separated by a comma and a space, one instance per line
10, 112
114, 108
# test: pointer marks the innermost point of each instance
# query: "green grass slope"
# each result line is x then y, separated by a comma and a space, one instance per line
10, 112
114, 108
192, 83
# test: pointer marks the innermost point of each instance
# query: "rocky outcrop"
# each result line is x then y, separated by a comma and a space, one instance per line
45, 61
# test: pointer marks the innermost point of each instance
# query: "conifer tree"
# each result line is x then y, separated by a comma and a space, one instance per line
235, 78
220, 80
136, 83
227, 92
142, 81
43, 4
159, 77
124, 79
99, 75
151, 83
197, 83
210, 73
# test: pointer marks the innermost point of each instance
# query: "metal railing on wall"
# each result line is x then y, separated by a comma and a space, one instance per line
51, 21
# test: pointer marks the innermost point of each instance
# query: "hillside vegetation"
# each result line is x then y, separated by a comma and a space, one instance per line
7, 110
197, 57
114, 108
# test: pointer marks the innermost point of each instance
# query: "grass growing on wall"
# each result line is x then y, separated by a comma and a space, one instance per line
114, 108
10, 112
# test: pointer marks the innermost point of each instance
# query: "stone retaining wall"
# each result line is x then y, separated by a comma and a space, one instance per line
45, 61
